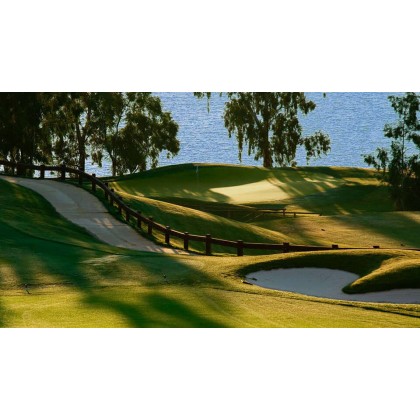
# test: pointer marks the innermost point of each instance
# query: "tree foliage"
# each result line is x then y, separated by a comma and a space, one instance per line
22, 138
70, 121
136, 131
397, 167
267, 123
68, 127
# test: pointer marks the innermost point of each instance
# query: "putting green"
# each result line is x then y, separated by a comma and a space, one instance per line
251, 185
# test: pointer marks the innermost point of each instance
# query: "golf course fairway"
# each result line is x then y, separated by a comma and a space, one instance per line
75, 280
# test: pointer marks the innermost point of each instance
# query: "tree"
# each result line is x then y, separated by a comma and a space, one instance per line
108, 121
268, 123
134, 131
397, 167
22, 138
70, 121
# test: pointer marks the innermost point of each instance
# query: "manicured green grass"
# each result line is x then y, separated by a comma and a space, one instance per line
356, 209
201, 223
178, 306
386, 229
326, 190
192, 221
75, 281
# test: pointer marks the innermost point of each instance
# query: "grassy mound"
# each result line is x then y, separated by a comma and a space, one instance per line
355, 206
356, 209
201, 223
396, 273
326, 190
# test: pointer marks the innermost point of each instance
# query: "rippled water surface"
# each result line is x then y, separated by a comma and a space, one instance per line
353, 120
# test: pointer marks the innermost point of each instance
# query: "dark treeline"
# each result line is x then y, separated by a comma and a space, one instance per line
131, 129
396, 166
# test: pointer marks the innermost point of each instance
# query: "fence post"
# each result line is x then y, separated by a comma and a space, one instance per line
42, 172
127, 214
80, 177
186, 241
93, 183
334, 246
19, 169
168, 235
284, 212
240, 248
150, 227
208, 244
119, 205
106, 191
139, 219
111, 197
286, 247
63, 172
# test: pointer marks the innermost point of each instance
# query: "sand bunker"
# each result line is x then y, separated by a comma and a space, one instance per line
326, 283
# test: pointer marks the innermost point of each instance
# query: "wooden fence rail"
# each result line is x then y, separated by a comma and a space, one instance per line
229, 210
115, 200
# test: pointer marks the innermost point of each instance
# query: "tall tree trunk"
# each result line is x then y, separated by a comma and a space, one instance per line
267, 159
82, 156
81, 148
114, 166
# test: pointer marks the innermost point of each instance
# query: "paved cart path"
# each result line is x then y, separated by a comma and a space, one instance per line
84, 209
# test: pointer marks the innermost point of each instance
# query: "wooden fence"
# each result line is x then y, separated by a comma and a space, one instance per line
127, 212
242, 209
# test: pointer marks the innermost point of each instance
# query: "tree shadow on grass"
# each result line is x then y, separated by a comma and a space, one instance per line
32, 256
153, 310
384, 229
147, 307
88, 272
2, 315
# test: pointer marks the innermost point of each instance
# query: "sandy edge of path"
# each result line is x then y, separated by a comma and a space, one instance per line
326, 283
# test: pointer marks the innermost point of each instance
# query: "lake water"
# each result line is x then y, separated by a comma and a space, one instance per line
353, 120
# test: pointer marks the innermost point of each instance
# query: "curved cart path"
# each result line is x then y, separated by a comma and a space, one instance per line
84, 209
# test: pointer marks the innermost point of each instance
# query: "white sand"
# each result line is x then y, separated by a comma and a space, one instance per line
85, 210
326, 283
